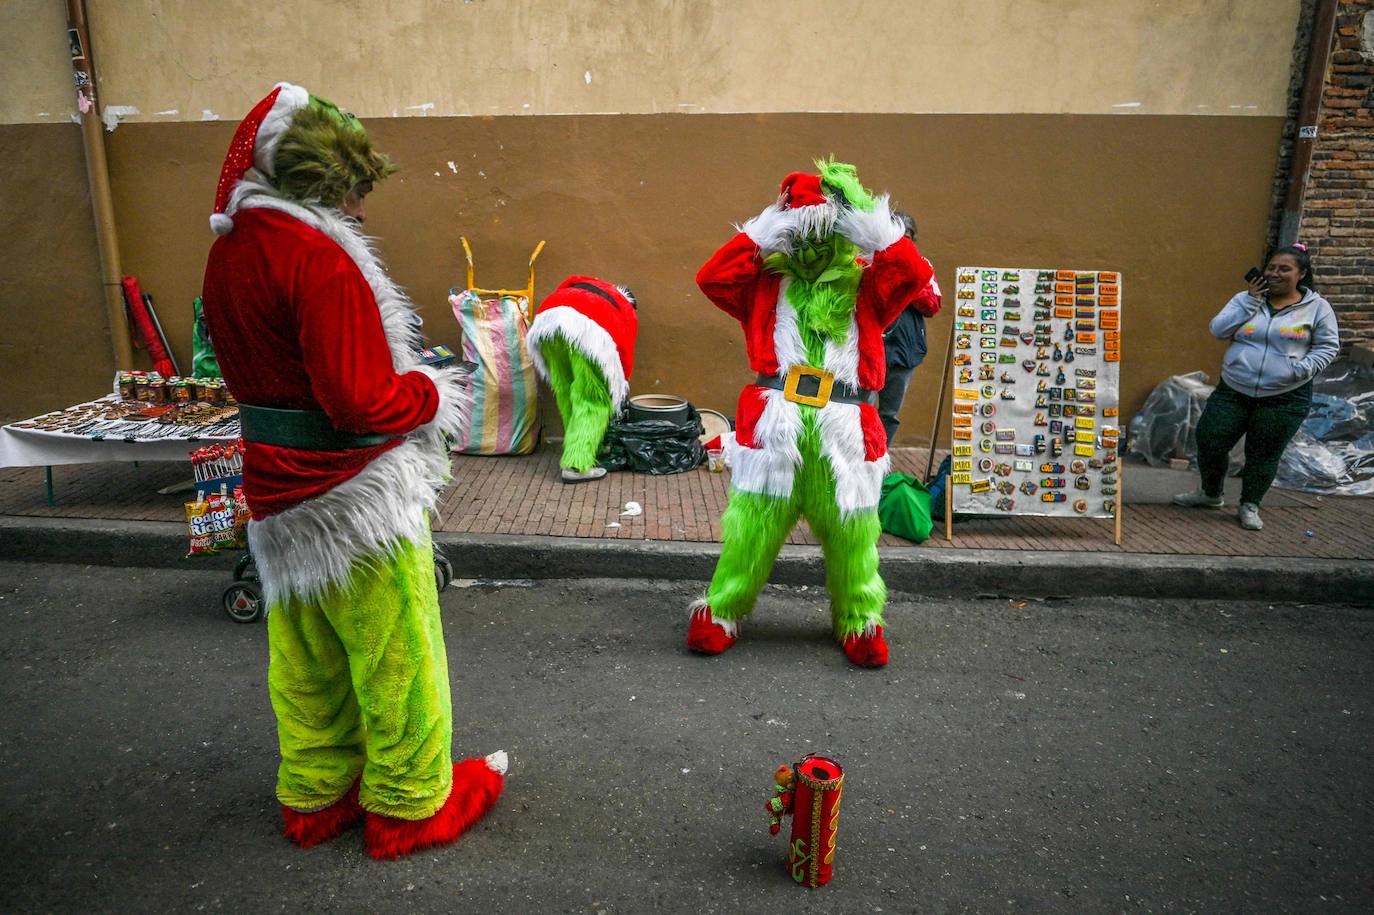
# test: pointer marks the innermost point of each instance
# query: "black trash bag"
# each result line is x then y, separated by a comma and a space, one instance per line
656, 446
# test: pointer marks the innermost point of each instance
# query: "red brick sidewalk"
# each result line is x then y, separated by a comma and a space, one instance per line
523, 495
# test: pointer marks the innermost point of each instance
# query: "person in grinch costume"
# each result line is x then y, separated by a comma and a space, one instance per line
814, 279
582, 342
346, 454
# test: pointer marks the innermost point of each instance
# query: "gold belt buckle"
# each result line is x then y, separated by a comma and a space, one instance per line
822, 395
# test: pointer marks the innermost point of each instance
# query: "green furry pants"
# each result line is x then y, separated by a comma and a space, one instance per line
755, 526
359, 682
584, 402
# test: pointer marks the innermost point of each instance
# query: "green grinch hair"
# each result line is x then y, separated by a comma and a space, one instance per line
845, 178
324, 154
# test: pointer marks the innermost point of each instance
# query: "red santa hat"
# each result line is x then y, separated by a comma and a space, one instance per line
801, 190
255, 145
809, 210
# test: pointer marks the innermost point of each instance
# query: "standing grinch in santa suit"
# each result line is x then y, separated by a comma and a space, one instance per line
345, 456
814, 279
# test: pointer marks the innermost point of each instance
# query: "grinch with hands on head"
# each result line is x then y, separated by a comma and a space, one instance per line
813, 280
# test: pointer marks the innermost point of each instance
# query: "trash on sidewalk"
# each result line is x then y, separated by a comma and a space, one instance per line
654, 446
632, 510
1165, 429
1333, 452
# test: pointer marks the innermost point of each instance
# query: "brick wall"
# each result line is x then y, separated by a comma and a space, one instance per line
1338, 215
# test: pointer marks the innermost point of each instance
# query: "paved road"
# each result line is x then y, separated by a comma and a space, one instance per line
1086, 755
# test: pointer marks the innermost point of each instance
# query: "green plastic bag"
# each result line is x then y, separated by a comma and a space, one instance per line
904, 507
203, 361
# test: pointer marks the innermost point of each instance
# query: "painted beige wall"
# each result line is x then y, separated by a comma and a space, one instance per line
1178, 203
643, 200
35, 67
54, 333
180, 60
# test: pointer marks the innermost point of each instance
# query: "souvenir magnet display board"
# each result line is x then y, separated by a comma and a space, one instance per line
1036, 392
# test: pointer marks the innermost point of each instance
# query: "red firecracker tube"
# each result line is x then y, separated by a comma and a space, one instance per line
810, 791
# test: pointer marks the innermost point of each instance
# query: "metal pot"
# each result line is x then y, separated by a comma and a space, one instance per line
659, 406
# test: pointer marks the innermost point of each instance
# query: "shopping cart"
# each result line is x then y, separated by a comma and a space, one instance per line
243, 602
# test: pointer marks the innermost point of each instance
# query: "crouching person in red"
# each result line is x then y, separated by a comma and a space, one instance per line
319, 347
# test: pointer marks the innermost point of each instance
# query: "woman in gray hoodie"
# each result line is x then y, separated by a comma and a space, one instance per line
1282, 335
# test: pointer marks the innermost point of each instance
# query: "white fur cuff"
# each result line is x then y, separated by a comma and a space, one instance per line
699, 606
772, 230
872, 231
455, 398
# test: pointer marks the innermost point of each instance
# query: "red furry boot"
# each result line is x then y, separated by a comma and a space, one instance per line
477, 783
706, 634
867, 648
307, 829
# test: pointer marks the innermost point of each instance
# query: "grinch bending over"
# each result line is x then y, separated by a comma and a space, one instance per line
582, 342
813, 279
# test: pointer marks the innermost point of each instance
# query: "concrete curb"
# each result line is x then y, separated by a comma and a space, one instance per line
161, 544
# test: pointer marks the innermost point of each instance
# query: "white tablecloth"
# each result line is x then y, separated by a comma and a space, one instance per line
40, 447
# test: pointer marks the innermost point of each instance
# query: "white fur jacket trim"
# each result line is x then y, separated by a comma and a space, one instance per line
588, 338
770, 467
873, 230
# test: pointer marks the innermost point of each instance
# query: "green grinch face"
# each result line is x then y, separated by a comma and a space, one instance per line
812, 256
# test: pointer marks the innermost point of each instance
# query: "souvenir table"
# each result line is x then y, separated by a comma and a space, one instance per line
111, 429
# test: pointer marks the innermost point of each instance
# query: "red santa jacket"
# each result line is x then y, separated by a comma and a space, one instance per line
735, 280
296, 325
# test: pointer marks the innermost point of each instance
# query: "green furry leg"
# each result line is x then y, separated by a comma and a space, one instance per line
584, 402
359, 682
850, 545
319, 725
753, 529
857, 592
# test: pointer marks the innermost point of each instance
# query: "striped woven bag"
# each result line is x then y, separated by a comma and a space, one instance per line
505, 409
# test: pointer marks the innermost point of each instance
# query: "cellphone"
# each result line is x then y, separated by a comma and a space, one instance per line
1253, 274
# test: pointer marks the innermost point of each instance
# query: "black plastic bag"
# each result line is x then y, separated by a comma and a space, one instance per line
656, 446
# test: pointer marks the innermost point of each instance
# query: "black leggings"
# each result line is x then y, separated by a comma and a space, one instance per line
1268, 424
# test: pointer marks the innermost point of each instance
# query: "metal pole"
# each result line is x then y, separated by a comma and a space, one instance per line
1309, 111
939, 407
98, 173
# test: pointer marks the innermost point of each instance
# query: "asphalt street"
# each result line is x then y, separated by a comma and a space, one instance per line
1086, 755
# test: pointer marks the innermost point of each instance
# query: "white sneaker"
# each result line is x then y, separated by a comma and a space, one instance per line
1198, 499
569, 475
1249, 517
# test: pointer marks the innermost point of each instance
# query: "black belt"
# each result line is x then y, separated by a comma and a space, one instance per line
807, 385
596, 290
308, 429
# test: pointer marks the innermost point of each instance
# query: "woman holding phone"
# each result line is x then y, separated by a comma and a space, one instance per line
1282, 335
